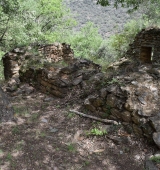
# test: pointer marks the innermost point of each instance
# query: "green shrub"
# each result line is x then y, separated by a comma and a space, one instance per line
118, 44
85, 42
155, 159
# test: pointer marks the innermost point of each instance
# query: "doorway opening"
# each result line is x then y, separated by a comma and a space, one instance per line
146, 54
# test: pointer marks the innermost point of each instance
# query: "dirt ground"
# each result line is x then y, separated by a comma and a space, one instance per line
47, 136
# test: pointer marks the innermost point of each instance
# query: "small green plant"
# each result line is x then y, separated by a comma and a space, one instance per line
114, 81
19, 145
9, 157
71, 147
86, 163
85, 42
58, 106
21, 110
34, 117
70, 115
57, 149
42, 134
15, 130
155, 159
97, 132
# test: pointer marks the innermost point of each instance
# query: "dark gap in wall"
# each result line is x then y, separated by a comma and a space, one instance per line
146, 54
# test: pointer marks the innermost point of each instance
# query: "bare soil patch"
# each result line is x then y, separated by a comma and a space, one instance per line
46, 136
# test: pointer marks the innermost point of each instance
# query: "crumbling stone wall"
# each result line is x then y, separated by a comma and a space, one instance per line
15, 59
59, 71
146, 45
132, 98
58, 80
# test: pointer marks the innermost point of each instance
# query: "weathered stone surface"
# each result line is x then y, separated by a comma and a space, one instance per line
116, 113
129, 105
137, 130
156, 122
149, 165
111, 100
148, 130
88, 105
126, 116
156, 138
103, 93
98, 102
114, 101
77, 80
135, 117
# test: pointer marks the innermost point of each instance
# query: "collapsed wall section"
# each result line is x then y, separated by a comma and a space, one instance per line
15, 59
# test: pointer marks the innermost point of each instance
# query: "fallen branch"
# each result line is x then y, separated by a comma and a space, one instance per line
95, 118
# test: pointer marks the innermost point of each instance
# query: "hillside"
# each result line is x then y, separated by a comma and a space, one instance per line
109, 20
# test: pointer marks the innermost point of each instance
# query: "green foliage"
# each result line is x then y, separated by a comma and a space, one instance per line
155, 159
34, 117
42, 134
97, 132
70, 115
9, 157
25, 22
71, 147
85, 42
134, 4
15, 130
150, 13
116, 46
113, 81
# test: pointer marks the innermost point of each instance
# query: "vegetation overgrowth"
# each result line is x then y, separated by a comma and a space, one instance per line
48, 21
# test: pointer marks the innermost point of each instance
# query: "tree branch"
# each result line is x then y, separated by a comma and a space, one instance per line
95, 118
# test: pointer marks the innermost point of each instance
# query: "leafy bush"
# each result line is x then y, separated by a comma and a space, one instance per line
118, 44
86, 42
155, 159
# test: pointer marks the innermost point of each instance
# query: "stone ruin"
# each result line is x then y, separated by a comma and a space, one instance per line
131, 97
146, 46
57, 69
15, 59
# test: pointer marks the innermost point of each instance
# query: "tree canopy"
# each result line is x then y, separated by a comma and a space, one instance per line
125, 3
30, 21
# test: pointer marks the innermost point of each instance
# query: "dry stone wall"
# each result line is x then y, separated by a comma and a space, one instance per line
55, 76
132, 98
15, 59
58, 80
146, 46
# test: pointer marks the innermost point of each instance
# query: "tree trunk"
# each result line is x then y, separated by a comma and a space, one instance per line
6, 110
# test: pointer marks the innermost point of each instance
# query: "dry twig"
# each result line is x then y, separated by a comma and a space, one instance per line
95, 118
